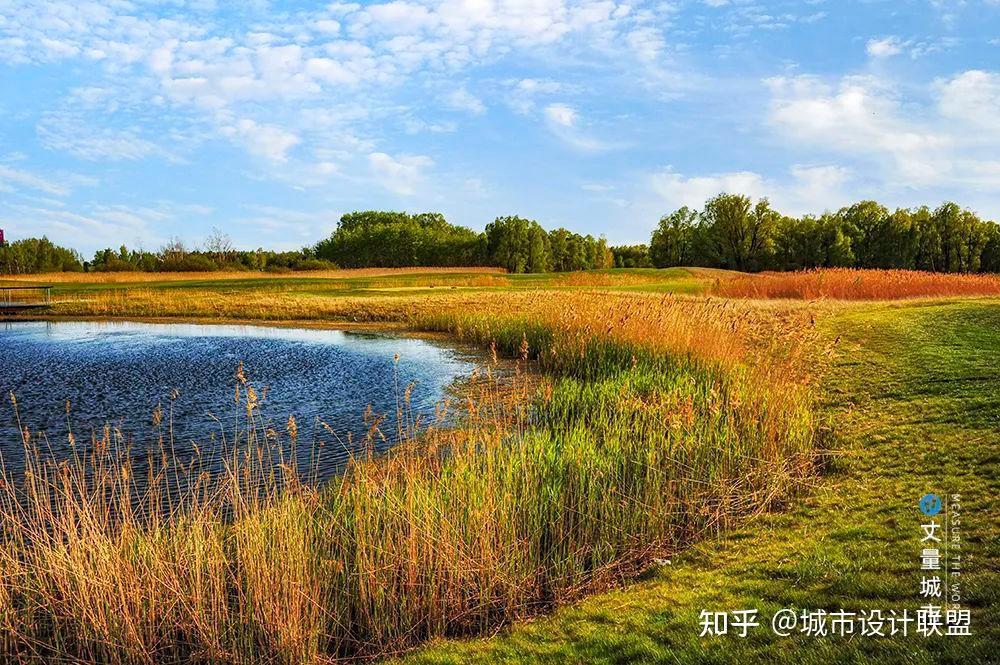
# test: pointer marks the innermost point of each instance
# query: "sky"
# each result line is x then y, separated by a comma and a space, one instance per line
138, 121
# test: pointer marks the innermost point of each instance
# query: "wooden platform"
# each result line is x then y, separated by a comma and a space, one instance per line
8, 305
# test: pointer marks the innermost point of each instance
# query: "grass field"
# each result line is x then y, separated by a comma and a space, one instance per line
662, 423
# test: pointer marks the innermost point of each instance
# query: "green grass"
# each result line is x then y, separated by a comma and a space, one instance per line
915, 396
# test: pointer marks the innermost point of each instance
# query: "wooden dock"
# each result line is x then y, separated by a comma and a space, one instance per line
20, 298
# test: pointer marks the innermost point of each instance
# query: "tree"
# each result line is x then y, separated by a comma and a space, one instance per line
990, 257
374, 238
742, 232
928, 240
507, 243
603, 256
631, 256
673, 240
37, 255
539, 249
835, 244
865, 223
218, 245
559, 245
962, 235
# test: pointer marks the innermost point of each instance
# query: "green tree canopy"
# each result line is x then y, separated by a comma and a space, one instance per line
37, 255
374, 238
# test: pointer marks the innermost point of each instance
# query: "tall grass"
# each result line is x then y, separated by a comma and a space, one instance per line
654, 422
849, 284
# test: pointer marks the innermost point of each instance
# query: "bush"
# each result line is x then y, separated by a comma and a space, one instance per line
189, 263
315, 264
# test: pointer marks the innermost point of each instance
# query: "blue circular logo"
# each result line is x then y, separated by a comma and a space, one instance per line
930, 504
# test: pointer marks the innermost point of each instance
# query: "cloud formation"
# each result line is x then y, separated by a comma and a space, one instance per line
267, 113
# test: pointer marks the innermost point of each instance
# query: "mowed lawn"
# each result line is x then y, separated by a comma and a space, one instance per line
913, 395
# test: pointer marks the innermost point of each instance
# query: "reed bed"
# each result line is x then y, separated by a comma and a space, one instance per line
654, 421
849, 284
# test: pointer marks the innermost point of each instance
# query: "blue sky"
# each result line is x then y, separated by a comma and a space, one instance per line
137, 121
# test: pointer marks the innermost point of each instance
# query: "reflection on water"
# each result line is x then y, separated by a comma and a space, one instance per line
118, 373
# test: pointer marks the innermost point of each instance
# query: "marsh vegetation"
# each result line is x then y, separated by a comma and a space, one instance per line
635, 423
656, 420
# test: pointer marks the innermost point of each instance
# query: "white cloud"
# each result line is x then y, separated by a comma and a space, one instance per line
268, 141
398, 18
860, 115
563, 122
678, 190
884, 48
804, 189
561, 115
742, 18
187, 65
949, 141
891, 46
814, 188
95, 225
463, 100
523, 92
283, 228
332, 72
972, 99
401, 174
327, 26
646, 43
73, 135
10, 177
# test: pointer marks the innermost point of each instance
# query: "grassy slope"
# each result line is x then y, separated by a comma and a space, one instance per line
916, 397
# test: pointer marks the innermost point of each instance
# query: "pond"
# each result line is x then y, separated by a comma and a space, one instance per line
88, 375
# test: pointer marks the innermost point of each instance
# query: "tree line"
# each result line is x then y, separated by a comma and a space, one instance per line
732, 231
34, 255
175, 257
396, 239
363, 239
40, 255
380, 239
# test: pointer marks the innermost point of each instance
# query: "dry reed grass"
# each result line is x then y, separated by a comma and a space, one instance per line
849, 284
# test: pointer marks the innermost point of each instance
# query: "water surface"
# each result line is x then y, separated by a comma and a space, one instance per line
119, 373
